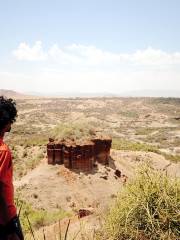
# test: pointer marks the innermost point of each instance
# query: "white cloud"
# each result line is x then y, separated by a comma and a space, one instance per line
91, 56
152, 56
34, 53
83, 68
62, 57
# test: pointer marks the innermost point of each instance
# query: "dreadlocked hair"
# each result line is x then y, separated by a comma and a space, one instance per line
8, 111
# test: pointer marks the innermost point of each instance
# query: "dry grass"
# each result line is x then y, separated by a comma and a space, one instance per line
147, 208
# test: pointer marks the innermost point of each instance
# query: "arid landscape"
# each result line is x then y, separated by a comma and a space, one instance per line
142, 130
96, 143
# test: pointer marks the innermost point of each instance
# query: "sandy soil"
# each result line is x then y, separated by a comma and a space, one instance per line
57, 186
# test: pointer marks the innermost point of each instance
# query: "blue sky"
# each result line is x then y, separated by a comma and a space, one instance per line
107, 46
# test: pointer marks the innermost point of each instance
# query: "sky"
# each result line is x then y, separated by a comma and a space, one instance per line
108, 46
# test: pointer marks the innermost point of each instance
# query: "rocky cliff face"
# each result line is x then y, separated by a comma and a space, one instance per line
81, 156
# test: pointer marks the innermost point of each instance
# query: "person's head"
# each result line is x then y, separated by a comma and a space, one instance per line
8, 114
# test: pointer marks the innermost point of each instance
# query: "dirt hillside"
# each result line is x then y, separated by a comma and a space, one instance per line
52, 187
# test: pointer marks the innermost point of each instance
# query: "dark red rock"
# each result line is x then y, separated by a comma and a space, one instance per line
84, 212
117, 173
81, 156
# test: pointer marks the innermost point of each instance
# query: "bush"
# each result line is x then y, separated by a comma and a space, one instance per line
147, 208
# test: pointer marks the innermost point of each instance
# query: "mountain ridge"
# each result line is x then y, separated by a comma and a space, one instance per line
136, 93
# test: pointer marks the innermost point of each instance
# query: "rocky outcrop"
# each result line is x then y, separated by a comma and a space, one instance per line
79, 155
102, 150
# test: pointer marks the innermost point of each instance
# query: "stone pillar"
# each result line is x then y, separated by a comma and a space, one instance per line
102, 150
82, 157
50, 153
67, 156
58, 154
73, 156
88, 156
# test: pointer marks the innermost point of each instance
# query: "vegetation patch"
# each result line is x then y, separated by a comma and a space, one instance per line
74, 130
147, 208
171, 157
36, 218
26, 158
129, 114
123, 144
145, 130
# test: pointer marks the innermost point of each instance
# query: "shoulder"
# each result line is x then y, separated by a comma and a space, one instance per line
4, 147
4, 150
5, 160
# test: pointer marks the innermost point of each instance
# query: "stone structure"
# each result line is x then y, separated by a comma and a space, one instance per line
102, 150
79, 155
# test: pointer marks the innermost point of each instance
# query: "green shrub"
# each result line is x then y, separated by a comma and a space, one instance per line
129, 114
122, 144
72, 130
38, 217
147, 208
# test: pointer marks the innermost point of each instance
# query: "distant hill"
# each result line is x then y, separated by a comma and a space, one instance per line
152, 93
13, 94
136, 93
73, 94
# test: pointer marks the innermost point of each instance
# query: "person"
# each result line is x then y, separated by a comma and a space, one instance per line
10, 227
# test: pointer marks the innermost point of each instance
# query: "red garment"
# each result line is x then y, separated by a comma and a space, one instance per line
6, 179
